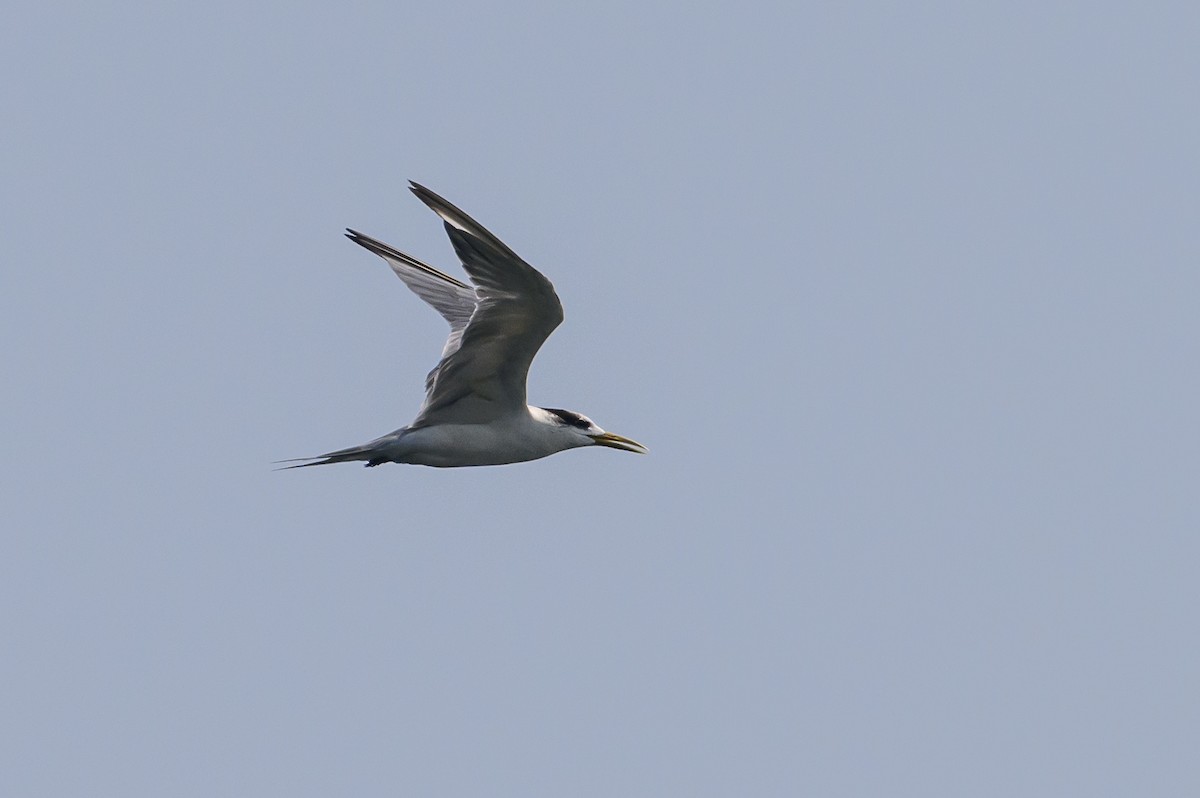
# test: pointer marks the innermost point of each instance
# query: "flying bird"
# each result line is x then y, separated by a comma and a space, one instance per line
475, 411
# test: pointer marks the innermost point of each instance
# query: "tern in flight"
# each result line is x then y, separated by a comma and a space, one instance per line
474, 412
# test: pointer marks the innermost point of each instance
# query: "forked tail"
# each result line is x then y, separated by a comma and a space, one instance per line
367, 452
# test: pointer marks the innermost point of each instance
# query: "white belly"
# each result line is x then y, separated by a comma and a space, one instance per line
452, 445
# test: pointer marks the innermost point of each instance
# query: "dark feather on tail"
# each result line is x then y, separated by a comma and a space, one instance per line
340, 456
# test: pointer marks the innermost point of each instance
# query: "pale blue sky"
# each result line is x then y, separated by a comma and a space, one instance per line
902, 298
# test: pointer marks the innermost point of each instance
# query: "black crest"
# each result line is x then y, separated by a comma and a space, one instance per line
569, 418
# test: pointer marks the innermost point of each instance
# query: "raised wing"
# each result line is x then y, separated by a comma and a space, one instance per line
452, 298
515, 310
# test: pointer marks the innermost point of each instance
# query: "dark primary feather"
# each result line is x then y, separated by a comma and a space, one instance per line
516, 311
389, 252
453, 299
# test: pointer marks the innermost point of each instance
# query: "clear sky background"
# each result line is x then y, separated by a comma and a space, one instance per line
901, 296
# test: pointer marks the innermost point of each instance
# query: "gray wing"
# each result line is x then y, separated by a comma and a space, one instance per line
452, 298
515, 310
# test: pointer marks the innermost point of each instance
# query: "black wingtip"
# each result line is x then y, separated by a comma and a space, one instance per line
427, 196
460, 226
368, 243
439, 204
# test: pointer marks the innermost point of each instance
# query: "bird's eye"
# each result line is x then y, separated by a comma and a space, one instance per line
569, 417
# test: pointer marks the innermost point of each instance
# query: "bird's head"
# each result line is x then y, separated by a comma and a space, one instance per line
586, 433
